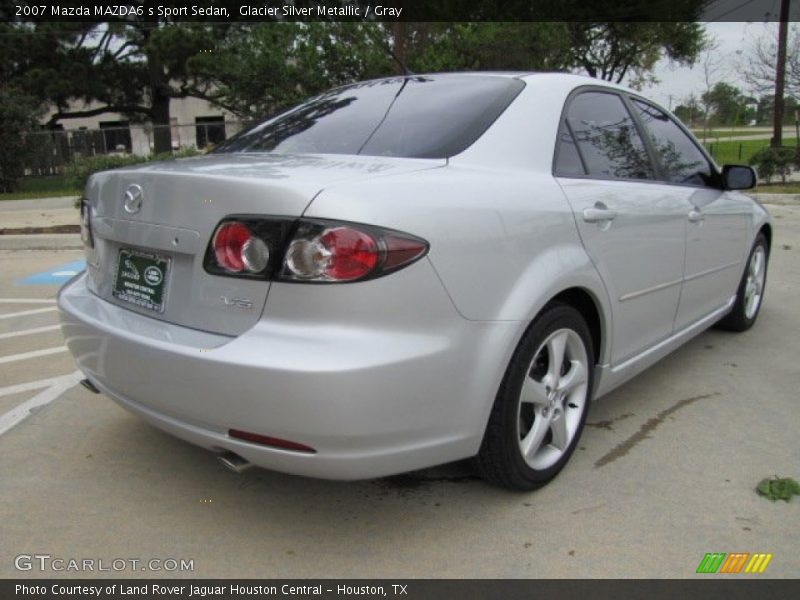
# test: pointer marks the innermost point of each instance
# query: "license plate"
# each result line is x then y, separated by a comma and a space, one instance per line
141, 279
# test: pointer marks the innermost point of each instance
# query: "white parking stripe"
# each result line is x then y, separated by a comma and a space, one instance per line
25, 313
33, 354
24, 410
35, 385
25, 301
4, 336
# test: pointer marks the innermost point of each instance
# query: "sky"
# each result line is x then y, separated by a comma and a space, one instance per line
735, 40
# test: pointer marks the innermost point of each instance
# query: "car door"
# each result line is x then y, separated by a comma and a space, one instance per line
716, 238
631, 226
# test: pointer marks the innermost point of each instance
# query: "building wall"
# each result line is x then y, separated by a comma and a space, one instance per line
183, 112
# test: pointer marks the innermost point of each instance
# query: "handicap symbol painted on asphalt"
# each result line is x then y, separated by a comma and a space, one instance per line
56, 275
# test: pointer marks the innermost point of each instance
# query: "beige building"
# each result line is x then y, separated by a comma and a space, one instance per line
195, 123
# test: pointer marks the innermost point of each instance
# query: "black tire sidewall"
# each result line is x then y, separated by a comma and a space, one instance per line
552, 319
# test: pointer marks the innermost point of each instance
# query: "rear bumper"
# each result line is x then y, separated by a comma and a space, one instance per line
370, 401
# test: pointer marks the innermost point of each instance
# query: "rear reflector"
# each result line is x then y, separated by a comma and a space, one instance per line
266, 440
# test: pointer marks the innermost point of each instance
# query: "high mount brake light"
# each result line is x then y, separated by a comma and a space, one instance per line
316, 251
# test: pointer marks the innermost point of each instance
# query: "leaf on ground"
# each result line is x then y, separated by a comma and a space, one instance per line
778, 488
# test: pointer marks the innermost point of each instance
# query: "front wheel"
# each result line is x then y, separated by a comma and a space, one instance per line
751, 289
540, 409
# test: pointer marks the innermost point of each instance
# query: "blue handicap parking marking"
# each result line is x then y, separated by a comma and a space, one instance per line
54, 276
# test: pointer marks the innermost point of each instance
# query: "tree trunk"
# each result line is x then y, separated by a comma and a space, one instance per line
780, 76
162, 133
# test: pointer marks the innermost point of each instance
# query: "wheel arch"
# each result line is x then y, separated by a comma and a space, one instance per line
766, 229
588, 305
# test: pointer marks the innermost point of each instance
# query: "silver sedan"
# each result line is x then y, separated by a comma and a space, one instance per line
409, 271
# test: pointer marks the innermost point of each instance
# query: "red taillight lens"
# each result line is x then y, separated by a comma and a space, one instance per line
353, 253
236, 249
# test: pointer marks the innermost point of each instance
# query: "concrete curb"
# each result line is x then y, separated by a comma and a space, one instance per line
46, 241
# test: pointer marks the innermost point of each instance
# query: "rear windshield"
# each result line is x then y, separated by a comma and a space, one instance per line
412, 117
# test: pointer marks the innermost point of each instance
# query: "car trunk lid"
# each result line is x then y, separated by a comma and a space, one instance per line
152, 224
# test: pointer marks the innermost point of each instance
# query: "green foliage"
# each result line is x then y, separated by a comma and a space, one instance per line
259, 70
79, 171
612, 51
774, 161
728, 105
778, 488
18, 115
536, 46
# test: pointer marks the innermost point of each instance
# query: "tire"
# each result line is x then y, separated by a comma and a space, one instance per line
750, 294
530, 412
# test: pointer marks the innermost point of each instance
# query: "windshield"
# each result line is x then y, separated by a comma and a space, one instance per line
412, 117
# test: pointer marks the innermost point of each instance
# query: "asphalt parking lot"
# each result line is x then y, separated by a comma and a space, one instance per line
665, 471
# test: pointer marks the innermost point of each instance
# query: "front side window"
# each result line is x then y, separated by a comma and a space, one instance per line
681, 160
607, 138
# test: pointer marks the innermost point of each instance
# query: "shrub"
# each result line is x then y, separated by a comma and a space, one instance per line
774, 161
79, 171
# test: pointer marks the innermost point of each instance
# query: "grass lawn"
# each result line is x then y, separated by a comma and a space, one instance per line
791, 187
41, 187
740, 151
712, 134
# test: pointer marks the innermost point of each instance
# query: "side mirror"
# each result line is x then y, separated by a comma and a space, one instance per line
738, 177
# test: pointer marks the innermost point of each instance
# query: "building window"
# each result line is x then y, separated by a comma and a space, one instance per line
210, 131
117, 136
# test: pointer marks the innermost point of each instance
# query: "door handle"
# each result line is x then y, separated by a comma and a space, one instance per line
695, 216
598, 215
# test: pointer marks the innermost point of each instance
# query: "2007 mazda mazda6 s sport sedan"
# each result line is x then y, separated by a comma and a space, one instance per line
410, 271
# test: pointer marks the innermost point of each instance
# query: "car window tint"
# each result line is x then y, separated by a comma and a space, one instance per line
417, 117
607, 137
568, 161
681, 159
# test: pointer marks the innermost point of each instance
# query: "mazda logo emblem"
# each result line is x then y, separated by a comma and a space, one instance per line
132, 198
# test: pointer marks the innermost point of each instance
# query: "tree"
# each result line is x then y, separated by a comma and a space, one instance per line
18, 117
759, 65
614, 51
488, 46
132, 65
727, 103
258, 70
690, 111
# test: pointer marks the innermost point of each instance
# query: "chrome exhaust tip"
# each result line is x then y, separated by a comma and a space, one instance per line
233, 461
89, 386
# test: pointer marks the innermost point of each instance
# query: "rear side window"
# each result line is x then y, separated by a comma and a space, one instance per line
606, 137
413, 117
681, 160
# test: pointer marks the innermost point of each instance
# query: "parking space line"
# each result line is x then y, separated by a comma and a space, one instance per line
26, 301
33, 354
33, 385
4, 336
25, 313
24, 410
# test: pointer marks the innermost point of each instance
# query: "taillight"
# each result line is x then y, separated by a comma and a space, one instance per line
237, 249
327, 251
86, 224
307, 250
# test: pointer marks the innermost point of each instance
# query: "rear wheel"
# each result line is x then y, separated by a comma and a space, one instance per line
540, 409
751, 290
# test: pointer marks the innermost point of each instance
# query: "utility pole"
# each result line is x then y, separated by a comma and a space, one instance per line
780, 76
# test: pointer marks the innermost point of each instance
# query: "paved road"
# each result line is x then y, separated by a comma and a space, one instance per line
665, 472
